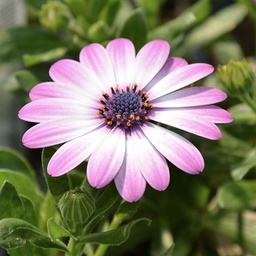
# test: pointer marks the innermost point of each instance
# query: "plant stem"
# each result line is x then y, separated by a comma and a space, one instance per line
74, 248
250, 102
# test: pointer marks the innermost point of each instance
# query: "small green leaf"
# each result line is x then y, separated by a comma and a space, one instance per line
14, 233
242, 113
127, 210
13, 160
56, 231
115, 236
135, 28
110, 11
238, 195
57, 185
23, 185
215, 26
52, 54
99, 31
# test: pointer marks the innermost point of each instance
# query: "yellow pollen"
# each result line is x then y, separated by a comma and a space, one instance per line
145, 104
128, 123
98, 112
118, 116
137, 118
109, 123
131, 116
146, 118
150, 105
103, 106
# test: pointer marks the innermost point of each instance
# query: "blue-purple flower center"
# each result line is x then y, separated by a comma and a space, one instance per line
125, 108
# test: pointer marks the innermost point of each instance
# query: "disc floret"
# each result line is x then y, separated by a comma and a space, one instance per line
125, 107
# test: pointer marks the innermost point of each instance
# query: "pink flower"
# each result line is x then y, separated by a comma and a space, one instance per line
107, 106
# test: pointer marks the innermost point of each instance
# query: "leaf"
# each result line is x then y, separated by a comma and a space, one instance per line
55, 231
23, 185
127, 210
238, 195
13, 160
242, 113
57, 185
110, 11
14, 233
16, 42
99, 31
115, 236
182, 23
170, 251
215, 26
134, 28
49, 55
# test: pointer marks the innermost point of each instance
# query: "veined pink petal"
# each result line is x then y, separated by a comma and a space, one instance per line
122, 54
149, 61
170, 65
106, 160
129, 181
179, 78
57, 131
175, 148
74, 74
190, 97
188, 122
48, 109
57, 90
97, 62
210, 113
74, 152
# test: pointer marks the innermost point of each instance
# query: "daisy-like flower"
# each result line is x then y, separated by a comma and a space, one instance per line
107, 106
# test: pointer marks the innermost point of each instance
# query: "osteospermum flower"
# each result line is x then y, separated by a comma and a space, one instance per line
107, 106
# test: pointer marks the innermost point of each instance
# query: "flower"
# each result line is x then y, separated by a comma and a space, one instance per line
107, 106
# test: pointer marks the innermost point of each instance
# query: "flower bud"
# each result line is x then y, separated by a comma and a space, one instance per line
76, 206
54, 16
237, 77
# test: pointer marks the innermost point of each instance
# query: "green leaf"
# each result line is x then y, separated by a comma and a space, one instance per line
238, 195
183, 22
57, 185
15, 233
13, 160
242, 113
16, 42
55, 231
215, 26
23, 185
52, 54
127, 210
134, 28
170, 251
99, 31
116, 236
110, 11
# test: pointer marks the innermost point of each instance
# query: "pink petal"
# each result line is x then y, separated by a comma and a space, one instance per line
149, 60
129, 181
57, 90
74, 152
57, 131
175, 148
188, 122
96, 60
106, 160
179, 78
188, 97
48, 109
170, 65
122, 54
74, 74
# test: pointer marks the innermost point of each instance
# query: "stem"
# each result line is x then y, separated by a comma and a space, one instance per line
249, 101
74, 248
116, 222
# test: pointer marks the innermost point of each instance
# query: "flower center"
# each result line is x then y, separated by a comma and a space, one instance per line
125, 108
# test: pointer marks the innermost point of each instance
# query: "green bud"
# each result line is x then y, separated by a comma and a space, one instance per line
54, 16
237, 77
76, 206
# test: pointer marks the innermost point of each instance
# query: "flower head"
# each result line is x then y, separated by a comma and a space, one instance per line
106, 106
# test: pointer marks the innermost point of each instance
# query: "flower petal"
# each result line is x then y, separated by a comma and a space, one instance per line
74, 74
97, 62
188, 122
57, 131
56, 90
149, 61
189, 97
74, 152
48, 109
181, 77
122, 54
106, 160
129, 181
175, 148
170, 65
